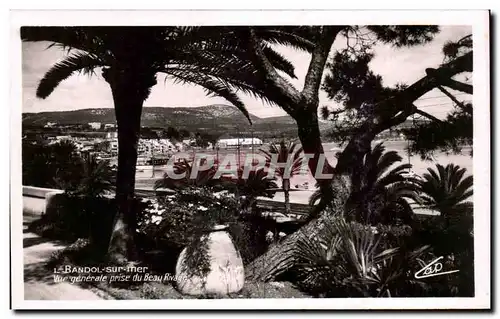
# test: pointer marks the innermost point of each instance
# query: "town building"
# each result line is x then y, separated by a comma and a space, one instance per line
241, 142
109, 125
155, 146
111, 135
113, 147
95, 125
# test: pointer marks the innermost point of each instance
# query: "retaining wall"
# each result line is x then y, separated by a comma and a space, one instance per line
35, 199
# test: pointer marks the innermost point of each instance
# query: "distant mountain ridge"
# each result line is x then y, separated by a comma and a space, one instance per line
217, 118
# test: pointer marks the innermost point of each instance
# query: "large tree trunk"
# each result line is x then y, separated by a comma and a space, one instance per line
129, 89
280, 257
320, 168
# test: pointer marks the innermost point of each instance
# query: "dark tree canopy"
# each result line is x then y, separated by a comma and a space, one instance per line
452, 133
350, 82
172, 133
404, 35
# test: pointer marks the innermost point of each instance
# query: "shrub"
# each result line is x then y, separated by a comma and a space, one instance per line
170, 223
70, 217
356, 260
352, 259
249, 235
166, 224
175, 219
55, 166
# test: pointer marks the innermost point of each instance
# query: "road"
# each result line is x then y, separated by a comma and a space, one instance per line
38, 280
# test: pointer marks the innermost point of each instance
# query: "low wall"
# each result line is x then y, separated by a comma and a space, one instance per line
39, 192
35, 199
148, 192
33, 205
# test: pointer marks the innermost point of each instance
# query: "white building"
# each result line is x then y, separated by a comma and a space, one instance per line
113, 146
109, 126
50, 124
235, 142
60, 138
95, 125
111, 135
63, 137
155, 146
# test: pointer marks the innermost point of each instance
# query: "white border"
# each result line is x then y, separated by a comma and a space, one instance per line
480, 23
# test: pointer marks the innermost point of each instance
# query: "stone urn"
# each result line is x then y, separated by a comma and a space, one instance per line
225, 275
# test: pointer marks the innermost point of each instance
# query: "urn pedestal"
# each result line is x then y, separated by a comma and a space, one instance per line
226, 274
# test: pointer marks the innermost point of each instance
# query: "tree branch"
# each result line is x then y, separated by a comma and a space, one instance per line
395, 120
327, 35
466, 37
401, 117
427, 115
459, 86
443, 75
404, 99
396, 109
453, 98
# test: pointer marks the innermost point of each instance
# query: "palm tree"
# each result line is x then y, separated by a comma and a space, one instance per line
216, 58
286, 159
256, 184
97, 177
204, 178
383, 191
54, 166
97, 180
446, 190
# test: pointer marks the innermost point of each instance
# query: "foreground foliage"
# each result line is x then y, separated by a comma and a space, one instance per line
350, 259
55, 165
382, 193
357, 260
61, 166
446, 190
170, 223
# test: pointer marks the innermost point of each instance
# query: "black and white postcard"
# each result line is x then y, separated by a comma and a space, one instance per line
250, 160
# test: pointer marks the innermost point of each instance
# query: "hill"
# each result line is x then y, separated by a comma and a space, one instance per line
216, 119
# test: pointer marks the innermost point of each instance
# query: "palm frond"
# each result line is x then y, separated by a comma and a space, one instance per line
81, 38
212, 85
218, 88
77, 62
284, 153
387, 160
445, 187
235, 78
285, 37
280, 62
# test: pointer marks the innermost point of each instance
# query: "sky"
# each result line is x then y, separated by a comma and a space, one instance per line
404, 65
